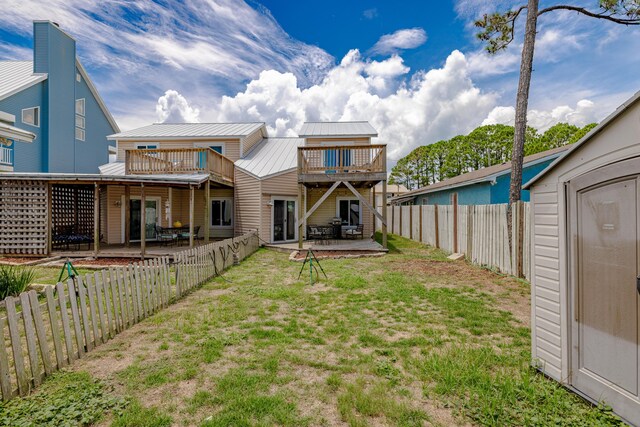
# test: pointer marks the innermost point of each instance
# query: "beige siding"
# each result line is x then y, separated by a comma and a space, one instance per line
279, 185
337, 141
250, 141
546, 311
231, 146
327, 210
247, 203
104, 206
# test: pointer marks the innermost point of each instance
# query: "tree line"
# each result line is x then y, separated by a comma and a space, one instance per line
484, 146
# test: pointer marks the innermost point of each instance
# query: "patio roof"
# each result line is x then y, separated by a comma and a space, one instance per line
194, 179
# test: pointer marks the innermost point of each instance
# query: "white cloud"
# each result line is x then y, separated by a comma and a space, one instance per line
408, 38
370, 13
582, 114
174, 108
435, 105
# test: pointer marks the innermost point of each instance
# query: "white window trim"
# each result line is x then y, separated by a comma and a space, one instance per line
38, 117
84, 107
209, 144
84, 134
286, 199
221, 227
338, 199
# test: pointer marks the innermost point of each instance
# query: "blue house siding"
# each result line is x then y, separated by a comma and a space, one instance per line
55, 148
500, 190
94, 150
28, 157
484, 193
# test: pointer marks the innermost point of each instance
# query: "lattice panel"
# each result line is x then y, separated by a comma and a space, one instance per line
23, 217
72, 209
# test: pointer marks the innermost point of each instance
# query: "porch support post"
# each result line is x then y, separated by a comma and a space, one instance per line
302, 207
384, 213
96, 219
143, 222
207, 211
373, 216
49, 218
191, 212
127, 215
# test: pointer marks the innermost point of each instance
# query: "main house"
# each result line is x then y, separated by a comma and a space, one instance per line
212, 181
52, 118
484, 186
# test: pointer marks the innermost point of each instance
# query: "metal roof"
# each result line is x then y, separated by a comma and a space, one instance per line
481, 175
335, 129
621, 109
191, 130
16, 76
271, 156
194, 179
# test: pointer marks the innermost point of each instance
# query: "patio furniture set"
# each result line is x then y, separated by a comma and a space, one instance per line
333, 231
175, 235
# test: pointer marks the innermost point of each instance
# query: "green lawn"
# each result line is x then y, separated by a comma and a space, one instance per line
408, 339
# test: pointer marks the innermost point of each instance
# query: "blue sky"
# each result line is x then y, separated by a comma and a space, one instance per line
413, 68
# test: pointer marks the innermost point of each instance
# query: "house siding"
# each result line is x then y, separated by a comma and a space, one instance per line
250, 141
500, 190
247, 203
327, 210
231, 146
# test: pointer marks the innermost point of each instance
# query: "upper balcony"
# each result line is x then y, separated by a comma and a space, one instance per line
354, 163
180, 161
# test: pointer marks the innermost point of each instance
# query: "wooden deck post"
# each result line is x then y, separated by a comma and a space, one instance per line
302, 208
191, 214
373, 216
127, 215
143, 222
454, 202
207, 211
96, 219
49, 218
384, 213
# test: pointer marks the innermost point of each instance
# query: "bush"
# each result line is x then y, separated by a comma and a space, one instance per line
14, 280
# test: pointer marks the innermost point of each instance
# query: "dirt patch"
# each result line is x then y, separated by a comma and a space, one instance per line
106, 261
320, 254
17, 260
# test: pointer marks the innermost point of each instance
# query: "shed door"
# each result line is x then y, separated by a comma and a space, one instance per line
606, 314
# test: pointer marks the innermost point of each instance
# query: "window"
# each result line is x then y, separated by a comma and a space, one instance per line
78, 77
80, 119
216, 148
349, 211
80, 106
146, 146
31, 116
221, 212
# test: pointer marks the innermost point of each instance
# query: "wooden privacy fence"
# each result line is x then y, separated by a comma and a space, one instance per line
478, 231
74, 317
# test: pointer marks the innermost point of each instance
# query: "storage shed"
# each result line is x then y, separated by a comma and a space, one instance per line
585, 294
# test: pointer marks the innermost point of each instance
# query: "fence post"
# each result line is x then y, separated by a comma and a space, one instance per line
470, 210
420, 228
400, 222
435, 216
393, 218
520, 247
454, 202
411, 222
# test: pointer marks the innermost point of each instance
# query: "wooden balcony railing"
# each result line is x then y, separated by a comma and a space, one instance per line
179, 161
340, 159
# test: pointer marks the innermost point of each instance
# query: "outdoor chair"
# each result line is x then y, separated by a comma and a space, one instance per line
165, 236
355, 232
314, 232
184, 235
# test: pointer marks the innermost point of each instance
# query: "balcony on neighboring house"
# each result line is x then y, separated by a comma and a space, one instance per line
170, 161
6, 158
355, 163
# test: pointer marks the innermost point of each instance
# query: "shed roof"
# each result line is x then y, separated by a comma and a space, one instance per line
335, 129
193, 179
16, 76
603, 124
191, 130
271, 156
481, 175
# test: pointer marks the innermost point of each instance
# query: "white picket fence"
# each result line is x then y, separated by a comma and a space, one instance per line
75, 317
478, 231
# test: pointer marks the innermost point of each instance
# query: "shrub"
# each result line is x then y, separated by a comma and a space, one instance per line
15, 280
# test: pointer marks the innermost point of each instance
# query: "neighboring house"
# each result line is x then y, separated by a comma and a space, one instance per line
393, 190
216, 179
584, 264
9, 136
53, 98
484, 186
